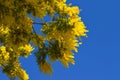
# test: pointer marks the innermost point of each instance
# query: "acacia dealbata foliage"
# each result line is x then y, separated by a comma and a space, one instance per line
58, 38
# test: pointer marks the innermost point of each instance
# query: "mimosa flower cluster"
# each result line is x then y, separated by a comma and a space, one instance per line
57, 38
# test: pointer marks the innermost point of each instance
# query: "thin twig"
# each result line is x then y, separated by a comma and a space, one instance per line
34, 30
37, 23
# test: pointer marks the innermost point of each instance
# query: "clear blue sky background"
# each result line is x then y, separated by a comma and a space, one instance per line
99, 56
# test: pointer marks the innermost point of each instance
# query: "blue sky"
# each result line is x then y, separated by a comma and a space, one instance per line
99, 55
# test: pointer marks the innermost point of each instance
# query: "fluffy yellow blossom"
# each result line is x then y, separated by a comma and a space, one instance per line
4, 30
26, 50
3, 49
6, 56
23, 75
61, 6
3, 53
72, 10
67, 58
64, 0
45, 67
79, 29
73, 19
